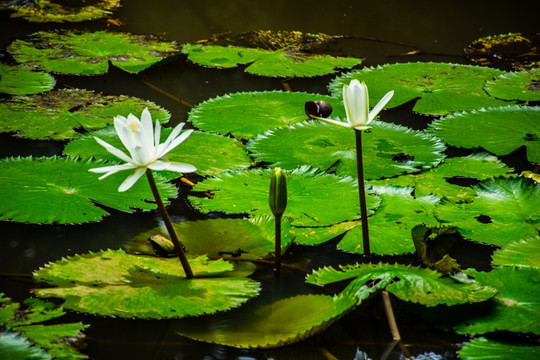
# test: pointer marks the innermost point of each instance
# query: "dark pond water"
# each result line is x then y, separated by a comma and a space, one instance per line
440, 28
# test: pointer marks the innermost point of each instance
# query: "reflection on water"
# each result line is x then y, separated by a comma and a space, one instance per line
441, 29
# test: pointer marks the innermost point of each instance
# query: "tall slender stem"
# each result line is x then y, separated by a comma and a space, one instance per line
362, 193
390, 315
178, 247
277, 249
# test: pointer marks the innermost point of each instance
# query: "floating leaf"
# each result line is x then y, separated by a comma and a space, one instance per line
88, 53
508, 51
18, 80
59, 340
388, 149
485, 349
51, 11
433, 246
408, 283
309, 193
314, 235
281, 323
143, 286
15, 347
65, 114
210, 154
505, 210
514, 308
63, 191
520, 253
245, 115
443, 88
439, 180
245, 238
498, 130
524, 86
390, 227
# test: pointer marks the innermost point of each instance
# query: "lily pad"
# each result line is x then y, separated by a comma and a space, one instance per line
524, 253
281, 54
15, 347
88, 53
19, 80
58, 340
281, 323
514, 308
246, 238
67, 113
314, 235
433, 245
499, 130
314, 198
63, 191
245, 115
443, 88
504, 210
52, 11
439, 180
129, 286
486, 349
388, 150
513, 51
390, 227
418, 285
210, 154
524, 86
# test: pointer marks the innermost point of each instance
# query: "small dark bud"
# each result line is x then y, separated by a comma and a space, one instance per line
319, 108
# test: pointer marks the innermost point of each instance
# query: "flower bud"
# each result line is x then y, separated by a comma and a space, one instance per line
278, 192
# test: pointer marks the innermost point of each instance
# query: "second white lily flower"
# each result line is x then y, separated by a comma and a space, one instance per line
356, 101
143, 143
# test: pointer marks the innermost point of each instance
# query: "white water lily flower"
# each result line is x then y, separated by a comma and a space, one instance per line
356, 101
142, 142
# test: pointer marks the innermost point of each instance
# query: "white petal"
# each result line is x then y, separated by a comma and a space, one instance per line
159, 165
147, 128
172, 136
380, 105
178, 167
157, 136
132, 179
114, 168
164, 150
334, 122
116, 152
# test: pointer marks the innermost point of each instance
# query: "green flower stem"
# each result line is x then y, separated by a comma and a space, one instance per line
362, 193
277, 250
178, 247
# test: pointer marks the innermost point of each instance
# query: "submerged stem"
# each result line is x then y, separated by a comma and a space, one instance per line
178, 247
390, 316
277, 249
362, 193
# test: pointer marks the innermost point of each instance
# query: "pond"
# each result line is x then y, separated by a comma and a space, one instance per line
379, 33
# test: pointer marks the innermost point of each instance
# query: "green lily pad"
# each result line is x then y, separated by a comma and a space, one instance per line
443, 88
514, 308
418, 285
520, 253
388, 150
314, 235
18, 80
210, 154
475, 167
282, 54
505, 210
486, 349
128, 286
245, 115
314, 198
433, 245
498, 130
281, 323
513, 51
51, 11
15, 347
247, 238
63, 191
65, 114
390, 227
524, 86
88, 53
59, 340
